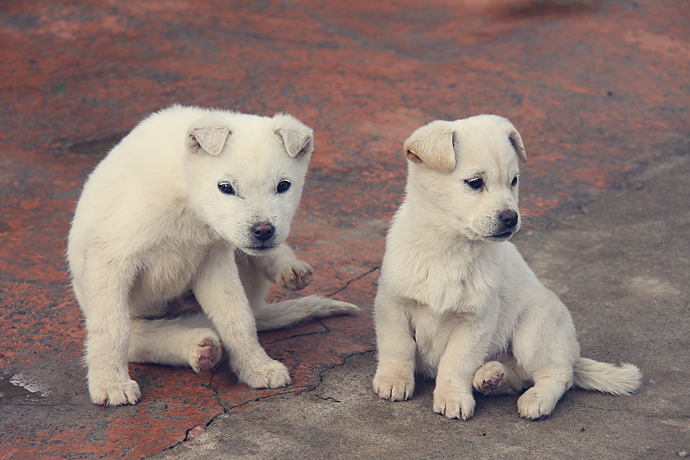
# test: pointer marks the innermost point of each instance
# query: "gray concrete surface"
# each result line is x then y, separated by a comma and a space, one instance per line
596, 88
620, 261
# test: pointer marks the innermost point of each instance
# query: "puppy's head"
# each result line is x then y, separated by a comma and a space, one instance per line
465, 173
244, 175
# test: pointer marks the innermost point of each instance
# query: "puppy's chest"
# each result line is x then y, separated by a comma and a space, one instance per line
448, 285
167, 269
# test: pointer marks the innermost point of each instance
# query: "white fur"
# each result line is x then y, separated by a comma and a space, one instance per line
152, 224
456, 301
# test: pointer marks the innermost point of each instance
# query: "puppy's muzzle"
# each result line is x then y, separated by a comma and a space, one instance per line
508, 218
263, 231
262, 238
507, 221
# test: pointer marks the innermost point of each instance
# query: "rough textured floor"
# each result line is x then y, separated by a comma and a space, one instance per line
598, 89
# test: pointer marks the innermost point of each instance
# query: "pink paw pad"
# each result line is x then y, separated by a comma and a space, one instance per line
493, 383
208, 355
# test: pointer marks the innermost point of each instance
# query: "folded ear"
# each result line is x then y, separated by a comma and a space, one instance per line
297, 138
513, 136
207, 138
516, 141
432, 145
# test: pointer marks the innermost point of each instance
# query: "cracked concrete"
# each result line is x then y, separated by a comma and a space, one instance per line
598, 90
619, 319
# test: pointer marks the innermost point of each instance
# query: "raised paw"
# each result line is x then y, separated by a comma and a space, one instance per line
114, 393
269, 374
206, 353
453, 404
295, 275
394, 387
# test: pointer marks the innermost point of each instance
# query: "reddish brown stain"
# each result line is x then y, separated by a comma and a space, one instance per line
596, 89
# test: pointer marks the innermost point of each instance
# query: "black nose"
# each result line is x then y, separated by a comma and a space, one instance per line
263, 231
509, 218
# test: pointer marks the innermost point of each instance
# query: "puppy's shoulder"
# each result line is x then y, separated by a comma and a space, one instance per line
516, 271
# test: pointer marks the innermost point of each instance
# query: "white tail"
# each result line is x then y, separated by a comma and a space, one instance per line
607, 378
281, 314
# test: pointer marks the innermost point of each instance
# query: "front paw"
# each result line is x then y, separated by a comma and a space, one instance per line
453, 404
269, 374
394, 387
114, 393
295, 276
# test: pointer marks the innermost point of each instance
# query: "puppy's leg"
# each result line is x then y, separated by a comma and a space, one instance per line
394, 377
282, 267
546, 347
184, 341
464, 354
496, 378
540, 400
102, 296
288, 272
220, 292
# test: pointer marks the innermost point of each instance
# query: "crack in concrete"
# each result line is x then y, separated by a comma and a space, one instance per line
295, 391
209, 422
347, 284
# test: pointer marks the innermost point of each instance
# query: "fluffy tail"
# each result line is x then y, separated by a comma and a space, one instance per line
281, 314
607, 378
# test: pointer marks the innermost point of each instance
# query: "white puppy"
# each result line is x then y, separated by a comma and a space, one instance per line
192, 199
456, 301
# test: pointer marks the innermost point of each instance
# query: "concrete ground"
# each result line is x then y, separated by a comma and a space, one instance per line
599, 91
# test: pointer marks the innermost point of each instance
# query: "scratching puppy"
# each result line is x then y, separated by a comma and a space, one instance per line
191, 200
456, 301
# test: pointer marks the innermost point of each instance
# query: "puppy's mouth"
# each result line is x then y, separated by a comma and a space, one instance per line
502, 236
259, 249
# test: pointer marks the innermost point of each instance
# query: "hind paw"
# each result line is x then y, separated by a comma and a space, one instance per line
206, 353
496, 378
489, 377
534, 406
295, 275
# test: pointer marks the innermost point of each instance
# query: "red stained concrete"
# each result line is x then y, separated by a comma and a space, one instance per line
596, 89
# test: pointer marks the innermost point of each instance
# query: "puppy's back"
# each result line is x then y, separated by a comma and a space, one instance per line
136, 185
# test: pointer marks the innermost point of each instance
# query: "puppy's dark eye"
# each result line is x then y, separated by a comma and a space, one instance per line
283, 186
476, 183
226, 188
515, 181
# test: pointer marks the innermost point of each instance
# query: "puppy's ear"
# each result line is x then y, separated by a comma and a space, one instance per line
432, 145
207, 138
297, 138
517, 144
513, 136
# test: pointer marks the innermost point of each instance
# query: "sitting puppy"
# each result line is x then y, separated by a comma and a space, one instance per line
454, 293
192, 199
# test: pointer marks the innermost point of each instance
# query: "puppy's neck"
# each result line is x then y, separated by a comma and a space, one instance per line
438, 232
434, 264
